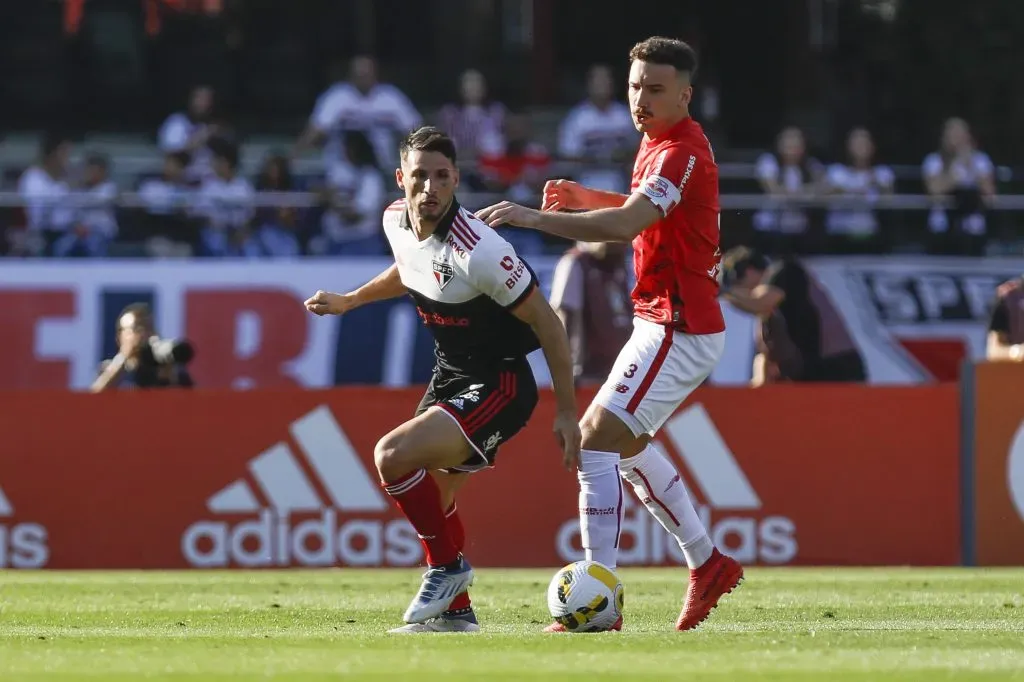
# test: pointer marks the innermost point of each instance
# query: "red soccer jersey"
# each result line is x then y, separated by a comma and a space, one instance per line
677, 258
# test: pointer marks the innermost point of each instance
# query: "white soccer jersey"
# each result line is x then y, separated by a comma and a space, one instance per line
466, 281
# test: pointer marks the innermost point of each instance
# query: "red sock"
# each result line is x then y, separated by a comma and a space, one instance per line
419, 498
457, 532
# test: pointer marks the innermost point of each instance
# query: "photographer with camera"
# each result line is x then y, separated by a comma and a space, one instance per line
144, 360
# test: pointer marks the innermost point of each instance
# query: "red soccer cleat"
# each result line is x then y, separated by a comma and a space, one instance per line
718, 576
558, 627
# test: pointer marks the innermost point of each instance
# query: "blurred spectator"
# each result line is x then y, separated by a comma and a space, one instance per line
590, 292
520, 167
599, 132
169, 193
518, 172
224, 202
42, 188
788, 173
355, 196
859, 177
1006, 327
802, 337
95, 215
190, 130
474, 123
966, 175
167, 229
144, 360
380, 110
274, 227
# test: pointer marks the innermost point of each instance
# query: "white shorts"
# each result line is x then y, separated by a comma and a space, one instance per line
654, 373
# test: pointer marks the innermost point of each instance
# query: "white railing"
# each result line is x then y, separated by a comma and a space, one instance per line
473, 200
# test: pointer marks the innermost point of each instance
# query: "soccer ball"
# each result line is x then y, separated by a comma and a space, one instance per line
585, 596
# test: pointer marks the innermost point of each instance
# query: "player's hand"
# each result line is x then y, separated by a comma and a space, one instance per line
508, 213
567, 433
325, 303
563, 195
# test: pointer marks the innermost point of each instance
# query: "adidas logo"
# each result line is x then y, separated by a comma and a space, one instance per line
22, 545
294, 498
729, 507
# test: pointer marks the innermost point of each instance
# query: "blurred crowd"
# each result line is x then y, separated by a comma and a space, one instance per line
200, 204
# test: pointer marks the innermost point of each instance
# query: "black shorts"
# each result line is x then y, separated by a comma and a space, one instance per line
489, 406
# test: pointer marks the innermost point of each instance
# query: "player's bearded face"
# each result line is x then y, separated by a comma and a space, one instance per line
429, 180
659, 96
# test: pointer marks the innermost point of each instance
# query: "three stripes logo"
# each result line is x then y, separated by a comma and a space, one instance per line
22, 545
286, 515
728, 506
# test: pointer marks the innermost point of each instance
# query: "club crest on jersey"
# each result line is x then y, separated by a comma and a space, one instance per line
443, 273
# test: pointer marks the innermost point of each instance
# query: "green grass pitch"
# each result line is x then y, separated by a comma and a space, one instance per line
782, 624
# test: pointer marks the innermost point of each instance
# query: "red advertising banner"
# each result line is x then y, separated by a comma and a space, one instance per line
999, 464
209, 479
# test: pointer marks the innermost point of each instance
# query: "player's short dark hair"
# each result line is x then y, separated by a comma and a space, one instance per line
428, 139
660, 50
737, 260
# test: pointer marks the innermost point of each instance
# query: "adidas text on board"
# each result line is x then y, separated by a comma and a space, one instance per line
22, 545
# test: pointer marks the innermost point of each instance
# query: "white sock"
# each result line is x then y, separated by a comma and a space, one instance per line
659, 486
600, 505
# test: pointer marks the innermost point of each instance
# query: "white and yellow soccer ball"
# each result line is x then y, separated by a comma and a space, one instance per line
585, 596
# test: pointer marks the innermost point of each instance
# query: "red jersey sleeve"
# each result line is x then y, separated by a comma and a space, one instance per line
667, 179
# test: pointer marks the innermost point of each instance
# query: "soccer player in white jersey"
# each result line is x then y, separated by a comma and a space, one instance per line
482, 303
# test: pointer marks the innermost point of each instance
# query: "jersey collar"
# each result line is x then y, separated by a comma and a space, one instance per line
445, 224
675, 129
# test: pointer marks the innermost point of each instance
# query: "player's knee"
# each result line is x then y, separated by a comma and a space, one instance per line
393, 457
604, 432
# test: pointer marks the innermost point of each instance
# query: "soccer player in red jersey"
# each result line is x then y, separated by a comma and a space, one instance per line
671, 217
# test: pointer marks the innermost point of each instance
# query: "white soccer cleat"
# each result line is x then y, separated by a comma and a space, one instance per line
438, 590
439, 624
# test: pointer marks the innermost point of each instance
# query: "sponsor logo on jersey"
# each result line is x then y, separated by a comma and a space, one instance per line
516, 270
438, 320
455, 246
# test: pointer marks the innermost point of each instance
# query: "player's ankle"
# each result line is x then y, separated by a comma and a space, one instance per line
453, 565
711, 560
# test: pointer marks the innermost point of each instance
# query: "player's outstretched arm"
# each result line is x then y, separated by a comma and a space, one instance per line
537, 312
620, 224
387, 284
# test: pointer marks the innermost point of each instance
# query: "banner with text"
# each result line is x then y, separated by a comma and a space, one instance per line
999, 464
265, 478
913, 319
